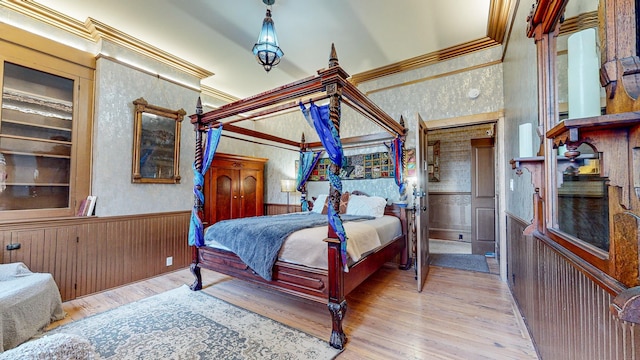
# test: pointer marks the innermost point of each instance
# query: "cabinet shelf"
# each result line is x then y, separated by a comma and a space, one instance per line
28, 138
28, 102
36, 184
37, 154
608, 121
41, 126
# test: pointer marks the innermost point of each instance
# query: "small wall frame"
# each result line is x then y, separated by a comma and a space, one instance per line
433, 160
156, 144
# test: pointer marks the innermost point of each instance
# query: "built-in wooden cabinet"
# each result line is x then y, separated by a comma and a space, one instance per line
45, 126
234, 188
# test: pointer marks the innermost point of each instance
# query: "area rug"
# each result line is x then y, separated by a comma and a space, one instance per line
183, 324
461, 261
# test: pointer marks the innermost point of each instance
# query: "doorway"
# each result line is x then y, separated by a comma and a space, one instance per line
450, 193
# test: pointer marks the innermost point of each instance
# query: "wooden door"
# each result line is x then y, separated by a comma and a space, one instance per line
224, 194
483, 196
422, 205
251, 202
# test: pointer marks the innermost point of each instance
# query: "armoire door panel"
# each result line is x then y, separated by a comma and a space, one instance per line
249, 203
225, 195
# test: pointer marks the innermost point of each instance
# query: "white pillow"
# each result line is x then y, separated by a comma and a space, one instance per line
318, 203
366, 205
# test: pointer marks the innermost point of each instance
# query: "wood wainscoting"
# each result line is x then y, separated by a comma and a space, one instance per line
277, 209
566, 311
91, 254
450, 215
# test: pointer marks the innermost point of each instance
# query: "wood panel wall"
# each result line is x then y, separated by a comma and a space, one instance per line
277, 209
87, 255
566, 312
450, 215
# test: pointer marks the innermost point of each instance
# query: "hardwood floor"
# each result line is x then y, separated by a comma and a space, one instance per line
459, 315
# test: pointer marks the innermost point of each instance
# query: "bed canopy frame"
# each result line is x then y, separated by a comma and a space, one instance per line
335, 283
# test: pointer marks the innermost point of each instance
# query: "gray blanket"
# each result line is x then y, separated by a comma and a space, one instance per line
257, 240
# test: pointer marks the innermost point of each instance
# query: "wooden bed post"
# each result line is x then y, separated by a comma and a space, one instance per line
406, 258
195, 256
303, 190
337, 302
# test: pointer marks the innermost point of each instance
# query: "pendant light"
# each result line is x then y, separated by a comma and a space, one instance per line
266, 50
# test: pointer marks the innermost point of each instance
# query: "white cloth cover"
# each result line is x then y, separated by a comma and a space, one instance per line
28, 302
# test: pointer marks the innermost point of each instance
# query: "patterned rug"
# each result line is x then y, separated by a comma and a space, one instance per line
183, 324
461, 261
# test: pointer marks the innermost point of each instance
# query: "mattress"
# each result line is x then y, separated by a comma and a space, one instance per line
307, 246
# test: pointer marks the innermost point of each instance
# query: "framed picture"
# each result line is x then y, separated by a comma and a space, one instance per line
156, 144
433, 160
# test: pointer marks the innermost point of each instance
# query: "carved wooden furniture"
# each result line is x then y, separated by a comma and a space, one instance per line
332, 285
587, 205
234, 188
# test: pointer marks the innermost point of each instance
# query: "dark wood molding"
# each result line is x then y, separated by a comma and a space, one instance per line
544, 16
377, 137
259, 135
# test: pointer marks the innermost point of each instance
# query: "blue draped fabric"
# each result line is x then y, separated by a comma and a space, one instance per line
396, 154
308, 161
318, 116
196, 228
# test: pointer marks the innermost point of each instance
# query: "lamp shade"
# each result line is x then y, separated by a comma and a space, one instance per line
287, 185
266, 50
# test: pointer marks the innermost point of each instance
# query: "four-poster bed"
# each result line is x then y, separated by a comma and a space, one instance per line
335, 282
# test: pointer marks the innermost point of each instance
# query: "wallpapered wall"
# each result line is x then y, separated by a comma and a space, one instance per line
455, 157
117, 86
521, 106
440, 91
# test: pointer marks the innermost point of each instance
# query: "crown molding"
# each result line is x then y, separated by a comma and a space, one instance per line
207, 90
48, 16
101, 30
450, 73
425, 60
498, 19
499, 11
95, 31
580, 22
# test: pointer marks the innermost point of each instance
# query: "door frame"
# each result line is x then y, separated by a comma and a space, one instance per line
420, 211
502, 161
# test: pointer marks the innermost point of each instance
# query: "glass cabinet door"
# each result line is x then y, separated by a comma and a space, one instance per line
35, 139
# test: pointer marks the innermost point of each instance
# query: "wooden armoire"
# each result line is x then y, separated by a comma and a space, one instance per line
234, 188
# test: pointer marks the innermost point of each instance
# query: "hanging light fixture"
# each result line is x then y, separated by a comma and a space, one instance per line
266, 50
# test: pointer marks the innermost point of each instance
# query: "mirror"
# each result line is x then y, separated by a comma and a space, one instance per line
156, 143
583, 202
578, 62
582, 207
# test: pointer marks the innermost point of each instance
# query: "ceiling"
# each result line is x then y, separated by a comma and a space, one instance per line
217, 35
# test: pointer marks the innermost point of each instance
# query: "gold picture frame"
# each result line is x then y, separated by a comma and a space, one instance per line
156, 144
